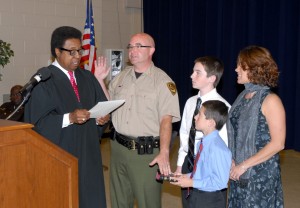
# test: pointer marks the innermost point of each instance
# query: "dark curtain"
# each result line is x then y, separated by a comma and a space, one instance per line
186, 29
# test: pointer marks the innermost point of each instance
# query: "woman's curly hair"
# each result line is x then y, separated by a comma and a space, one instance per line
260, 65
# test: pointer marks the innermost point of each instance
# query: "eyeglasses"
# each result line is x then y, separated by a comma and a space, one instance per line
137, 46
16, 94
73, 52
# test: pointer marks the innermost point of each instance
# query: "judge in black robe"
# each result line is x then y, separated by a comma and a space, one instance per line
55, 98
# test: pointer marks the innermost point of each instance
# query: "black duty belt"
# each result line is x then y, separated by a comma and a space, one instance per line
144, 144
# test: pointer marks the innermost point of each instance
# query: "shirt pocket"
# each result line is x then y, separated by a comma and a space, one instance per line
146, 102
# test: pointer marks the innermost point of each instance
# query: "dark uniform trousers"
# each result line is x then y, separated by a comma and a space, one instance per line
132, 178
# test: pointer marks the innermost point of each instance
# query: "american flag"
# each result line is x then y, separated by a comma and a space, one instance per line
88, 40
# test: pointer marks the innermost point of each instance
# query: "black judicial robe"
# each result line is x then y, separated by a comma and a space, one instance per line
49, 101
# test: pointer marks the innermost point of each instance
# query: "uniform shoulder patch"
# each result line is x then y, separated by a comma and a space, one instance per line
172, 87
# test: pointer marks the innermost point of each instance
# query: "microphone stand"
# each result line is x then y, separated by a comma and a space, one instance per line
25, 98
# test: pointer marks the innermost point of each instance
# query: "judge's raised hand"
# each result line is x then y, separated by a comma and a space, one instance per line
101, 68
79, 116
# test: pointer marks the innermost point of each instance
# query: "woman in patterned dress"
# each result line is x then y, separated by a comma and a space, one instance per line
256, 133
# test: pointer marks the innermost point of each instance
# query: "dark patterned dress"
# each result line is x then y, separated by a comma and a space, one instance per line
264, 188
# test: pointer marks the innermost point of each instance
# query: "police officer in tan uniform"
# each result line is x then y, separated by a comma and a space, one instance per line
143, 127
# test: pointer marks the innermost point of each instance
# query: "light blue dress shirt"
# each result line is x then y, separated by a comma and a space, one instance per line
213, 166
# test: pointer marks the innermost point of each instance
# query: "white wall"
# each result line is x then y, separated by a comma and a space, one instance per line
28, 24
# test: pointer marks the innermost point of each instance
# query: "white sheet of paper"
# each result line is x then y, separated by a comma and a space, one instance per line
104, 108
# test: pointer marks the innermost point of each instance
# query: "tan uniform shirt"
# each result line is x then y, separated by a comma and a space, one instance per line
147, 100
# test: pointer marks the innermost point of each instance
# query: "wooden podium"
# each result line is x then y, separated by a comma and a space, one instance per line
34, 173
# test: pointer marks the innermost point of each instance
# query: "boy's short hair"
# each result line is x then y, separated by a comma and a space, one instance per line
212, 66
216, 110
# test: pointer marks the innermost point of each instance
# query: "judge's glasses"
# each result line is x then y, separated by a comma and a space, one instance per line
73, 52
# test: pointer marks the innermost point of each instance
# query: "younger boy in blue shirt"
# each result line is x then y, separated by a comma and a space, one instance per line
208, 181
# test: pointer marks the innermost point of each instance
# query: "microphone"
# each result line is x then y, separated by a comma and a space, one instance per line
41, 75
